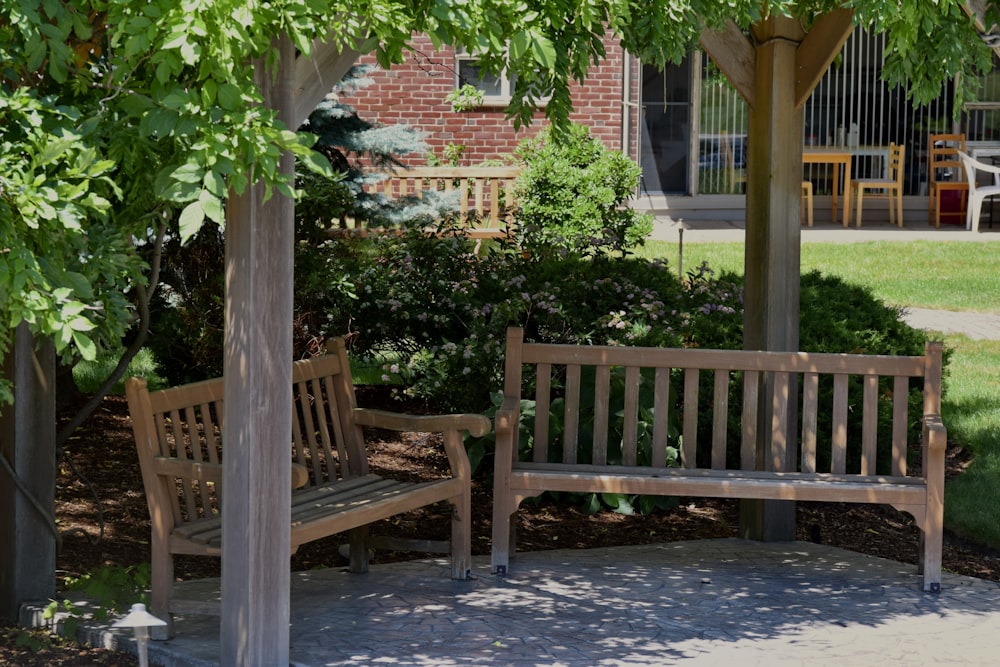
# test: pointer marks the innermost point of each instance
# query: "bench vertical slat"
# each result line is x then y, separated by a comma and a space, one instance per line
180, 423
602, 406
543, 376
166, 432
779, 423
838, 454
480, 186
751, 395
630, 427
328, 411
690, 427
494, 201
213, 446
463, 198
572, 414
340, 387
810, 412
720, 414
661, 416
298, 445
900, 409
869, 426
309, 430
213, 431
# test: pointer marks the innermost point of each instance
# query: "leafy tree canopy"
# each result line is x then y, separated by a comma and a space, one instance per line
114, 112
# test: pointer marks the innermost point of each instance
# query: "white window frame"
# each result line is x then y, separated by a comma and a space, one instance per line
489, 99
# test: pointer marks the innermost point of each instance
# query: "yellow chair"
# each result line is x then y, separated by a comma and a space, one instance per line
890, 188
807, 198
945, 174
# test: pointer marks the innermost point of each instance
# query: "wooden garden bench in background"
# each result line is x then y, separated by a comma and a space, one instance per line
179, 436
587, 387
485, 197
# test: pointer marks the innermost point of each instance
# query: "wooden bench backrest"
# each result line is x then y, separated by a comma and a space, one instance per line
488, 192
181, 425
669, 381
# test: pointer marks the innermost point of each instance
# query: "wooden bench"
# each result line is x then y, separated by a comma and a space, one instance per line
179, 436
485, 197
647, 397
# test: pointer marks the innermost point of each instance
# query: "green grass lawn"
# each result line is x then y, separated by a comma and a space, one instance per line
926, 274
948, 276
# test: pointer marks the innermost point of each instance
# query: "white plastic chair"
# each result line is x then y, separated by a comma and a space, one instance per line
978, 193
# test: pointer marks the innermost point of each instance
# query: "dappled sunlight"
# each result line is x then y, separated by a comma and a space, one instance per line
722, 601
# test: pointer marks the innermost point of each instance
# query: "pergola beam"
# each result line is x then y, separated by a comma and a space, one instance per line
734, 54
818, 49
313, 78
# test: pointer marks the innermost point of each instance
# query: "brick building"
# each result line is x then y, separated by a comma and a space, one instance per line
684, 124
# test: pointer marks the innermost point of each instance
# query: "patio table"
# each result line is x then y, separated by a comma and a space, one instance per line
840, 158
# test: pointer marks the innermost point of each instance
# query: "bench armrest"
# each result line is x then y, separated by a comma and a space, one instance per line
508, 418
935, 437
203, 471
476, 425
450, 426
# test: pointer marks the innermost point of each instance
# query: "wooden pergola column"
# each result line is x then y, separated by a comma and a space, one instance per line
256, 517
775, 68
28, 447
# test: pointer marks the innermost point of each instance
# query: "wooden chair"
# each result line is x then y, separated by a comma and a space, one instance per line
978, 193
807, 199
945, 174
890, 188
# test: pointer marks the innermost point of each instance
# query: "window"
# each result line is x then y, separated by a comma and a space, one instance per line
495, 89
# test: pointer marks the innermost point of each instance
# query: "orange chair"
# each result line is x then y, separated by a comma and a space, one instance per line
945, 174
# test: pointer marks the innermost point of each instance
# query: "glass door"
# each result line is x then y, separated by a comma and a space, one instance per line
666, 128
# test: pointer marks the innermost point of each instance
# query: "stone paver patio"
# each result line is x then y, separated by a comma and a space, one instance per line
711, 602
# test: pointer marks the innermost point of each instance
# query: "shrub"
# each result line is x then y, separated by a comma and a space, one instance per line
572, 194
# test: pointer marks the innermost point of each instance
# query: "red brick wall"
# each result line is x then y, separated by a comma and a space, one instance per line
415, 93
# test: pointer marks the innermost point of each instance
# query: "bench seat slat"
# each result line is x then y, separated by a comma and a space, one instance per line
331, 509
722, 484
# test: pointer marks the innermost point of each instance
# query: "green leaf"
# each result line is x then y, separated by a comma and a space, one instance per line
191, 220
544, 51
188, 173
230, 97
212, 206
215, 183
87, 348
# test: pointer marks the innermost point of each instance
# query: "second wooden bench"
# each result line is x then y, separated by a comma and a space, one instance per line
634, 421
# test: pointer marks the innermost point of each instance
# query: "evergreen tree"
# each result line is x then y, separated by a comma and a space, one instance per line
362, 154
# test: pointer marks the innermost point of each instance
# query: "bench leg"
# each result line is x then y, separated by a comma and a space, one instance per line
461, 536
360, 550
504, 539
162, 588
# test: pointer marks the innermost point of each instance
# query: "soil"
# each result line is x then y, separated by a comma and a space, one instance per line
100, 463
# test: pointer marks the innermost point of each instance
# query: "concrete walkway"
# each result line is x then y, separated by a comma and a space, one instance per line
710, 602
666, 228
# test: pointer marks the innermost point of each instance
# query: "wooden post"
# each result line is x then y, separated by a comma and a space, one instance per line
258, 378
28, 447
774, 183
774, 70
